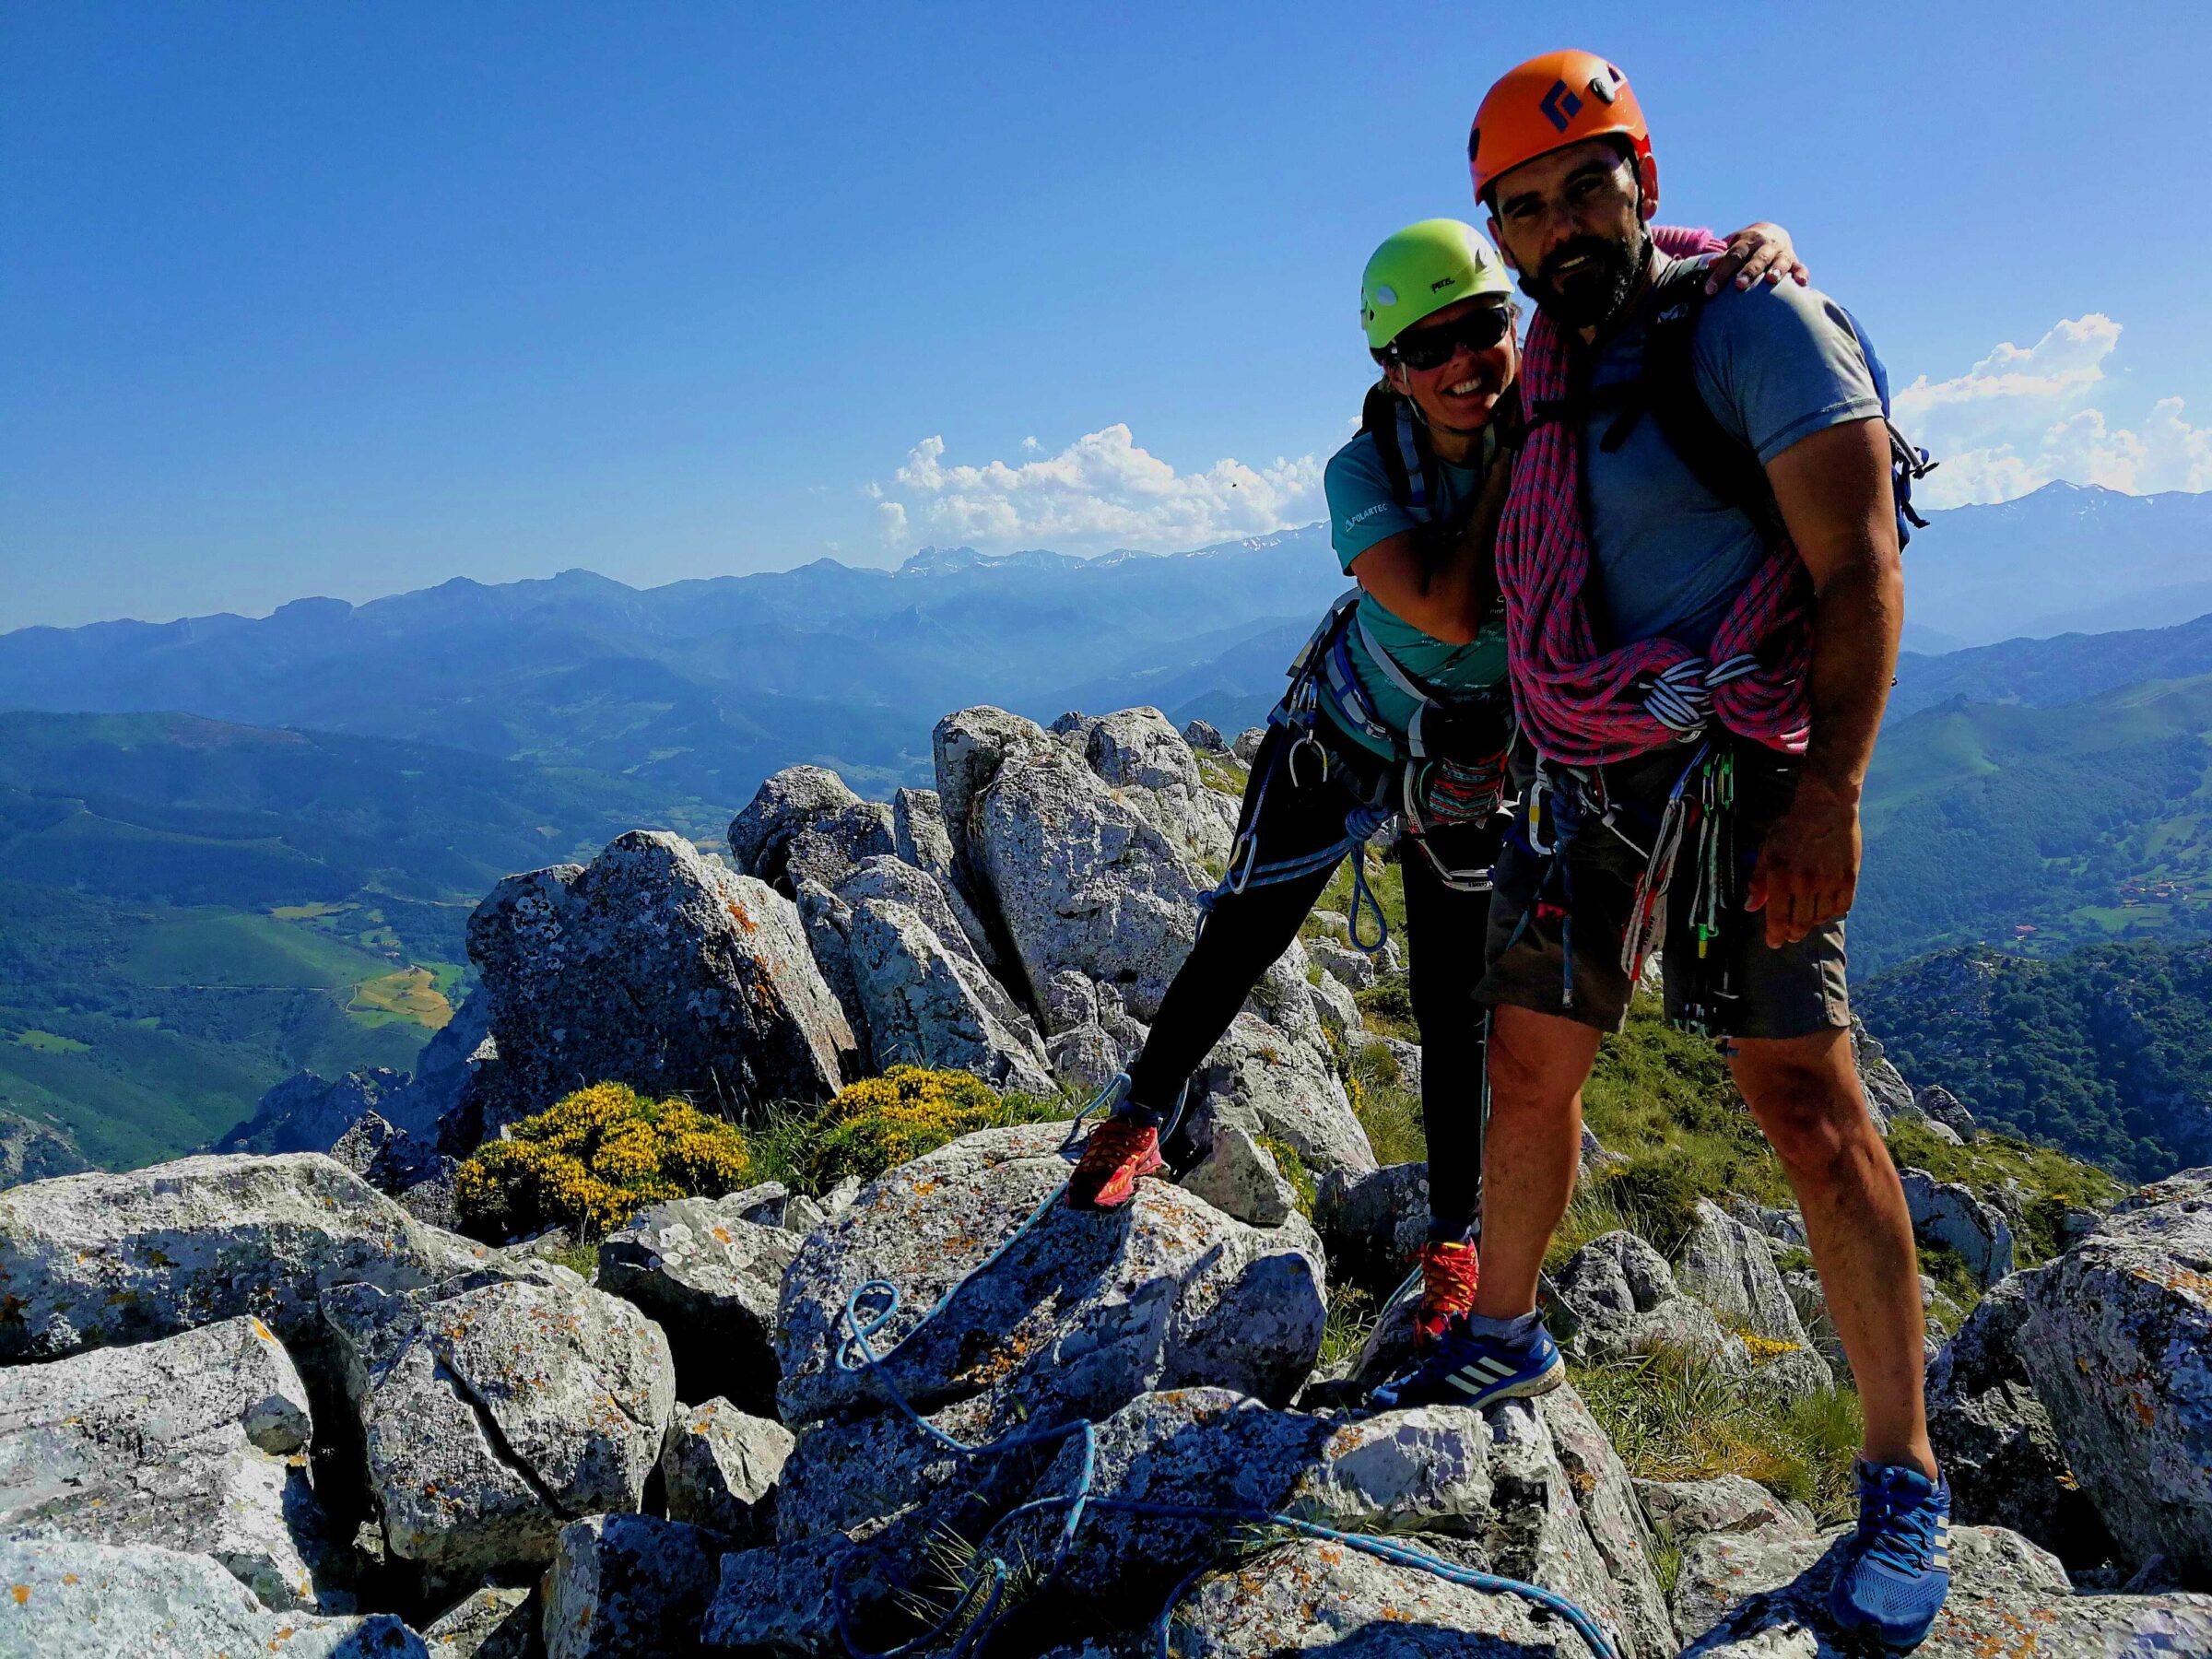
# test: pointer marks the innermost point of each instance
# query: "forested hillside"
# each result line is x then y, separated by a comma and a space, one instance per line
2106, 1052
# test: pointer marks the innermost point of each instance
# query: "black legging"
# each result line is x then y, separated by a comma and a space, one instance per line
1444, 928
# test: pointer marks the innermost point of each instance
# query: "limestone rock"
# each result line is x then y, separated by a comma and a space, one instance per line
656, 968
495, 1622
496, 1413
828, 922
1082, 1314
827, 849
1373, 1222
1939, 1105
92, 1261
628, 1587
1624, 1301
304, 1114
721, 1467
194, 1443
1247, 745
1265, 1084
1238, 1177
1730, 1269
1338, 1013
787, 803
106, 1601
1887, 1093
1948, 1214
1995, 1442
969, 747
1353, 969
1204, 738
2119, 1346
1137, 752
919, 837
1727, 1503
1748, 1598
712, 1279
31, 1150
776, 1601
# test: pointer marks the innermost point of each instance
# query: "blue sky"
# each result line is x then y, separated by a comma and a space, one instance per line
353, 298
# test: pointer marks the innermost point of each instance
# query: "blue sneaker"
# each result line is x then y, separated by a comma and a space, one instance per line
1897, 1566
1463, 1369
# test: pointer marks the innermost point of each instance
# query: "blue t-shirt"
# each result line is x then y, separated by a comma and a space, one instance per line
1363, 512
1775, 365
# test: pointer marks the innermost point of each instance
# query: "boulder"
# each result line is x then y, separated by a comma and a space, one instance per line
494, 1413
919, 837
1730, 1270
828, 920
1247, 745
1338, 1012
1887, 1093
1204, 738
1352, 968
1623, 1302
926, 997
1238, 1177
1939, 1105
194, 1443
1758, 1598
1995, 1442
1687, 1509
721, 1467
403, 1167
1323, 1598
969, 747
1082, 1313
95, 1260
711, 1279
1373, 1222
495, 1622
628, 1587
827, 849
2118, 1344
1948, 1214
1137, 752
656, 968
787, 803
31, 1150
108, 1601
777, 1601
1268, 1084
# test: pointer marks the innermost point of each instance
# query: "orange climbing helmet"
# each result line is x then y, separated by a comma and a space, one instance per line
1546, 104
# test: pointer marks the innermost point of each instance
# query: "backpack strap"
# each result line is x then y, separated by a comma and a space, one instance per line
1724, 463
1402, 441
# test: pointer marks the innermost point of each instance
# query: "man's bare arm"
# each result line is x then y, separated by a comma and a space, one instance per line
1443, 584
1834, 492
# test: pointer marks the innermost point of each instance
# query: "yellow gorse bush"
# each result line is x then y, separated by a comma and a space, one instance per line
880, 1121
594, 1159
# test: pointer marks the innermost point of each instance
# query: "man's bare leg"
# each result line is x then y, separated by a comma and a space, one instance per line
1537, 1064
1803, 1092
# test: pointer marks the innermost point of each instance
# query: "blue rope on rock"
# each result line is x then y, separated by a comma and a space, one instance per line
988, 1579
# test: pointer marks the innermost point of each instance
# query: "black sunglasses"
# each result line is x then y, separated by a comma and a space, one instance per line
1433, 347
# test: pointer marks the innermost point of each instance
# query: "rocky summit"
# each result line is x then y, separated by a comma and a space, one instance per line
270, 1400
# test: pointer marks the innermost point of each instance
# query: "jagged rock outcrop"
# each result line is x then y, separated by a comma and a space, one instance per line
495, 1622
1247, 744
656, 968
1622, 1301
495, 1410
805, 823
195, 1443
1137, 751
1995, 1442
1084, 1313
107, 1601
1748, 1598
35, 1151
94, 1261
1268, 1083
1688, 1509
919, 838
1240, 1178
1730, 1270
1945, 1213
628, 1587
2118, 1344
1373, 1221
304, 1114
711, 1278
1887, 1094
722, 1468
1939, 1105
1204, 737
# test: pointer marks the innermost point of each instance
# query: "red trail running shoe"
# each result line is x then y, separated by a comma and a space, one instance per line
1120, 1152
1448, 1276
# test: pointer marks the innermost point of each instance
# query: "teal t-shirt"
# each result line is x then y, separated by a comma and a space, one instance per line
1363, 512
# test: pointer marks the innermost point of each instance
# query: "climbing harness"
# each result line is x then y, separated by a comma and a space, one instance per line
978, 1609
1422, 788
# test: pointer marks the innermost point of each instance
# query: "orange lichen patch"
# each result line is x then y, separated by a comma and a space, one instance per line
21, 1593
738, 916
2180, 1280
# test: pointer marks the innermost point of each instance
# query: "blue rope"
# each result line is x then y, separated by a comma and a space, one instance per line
1360, 825
987, 1581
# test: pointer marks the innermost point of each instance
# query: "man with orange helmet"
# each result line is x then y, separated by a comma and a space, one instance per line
1699, 565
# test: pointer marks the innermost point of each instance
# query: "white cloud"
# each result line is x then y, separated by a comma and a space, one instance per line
1100, 490
2021, 418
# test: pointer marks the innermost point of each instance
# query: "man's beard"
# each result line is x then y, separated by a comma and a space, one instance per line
1597, 290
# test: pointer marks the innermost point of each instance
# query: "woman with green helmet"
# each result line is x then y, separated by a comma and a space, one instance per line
1398, 709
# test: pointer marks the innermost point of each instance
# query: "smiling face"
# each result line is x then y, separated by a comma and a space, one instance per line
1461, 394
1571, 224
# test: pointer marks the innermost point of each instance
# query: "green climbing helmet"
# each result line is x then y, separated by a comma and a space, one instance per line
1422, 269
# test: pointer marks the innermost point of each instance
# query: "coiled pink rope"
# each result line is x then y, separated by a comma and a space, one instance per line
1582, 707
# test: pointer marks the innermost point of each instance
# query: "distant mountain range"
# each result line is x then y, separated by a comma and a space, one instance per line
700, 688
